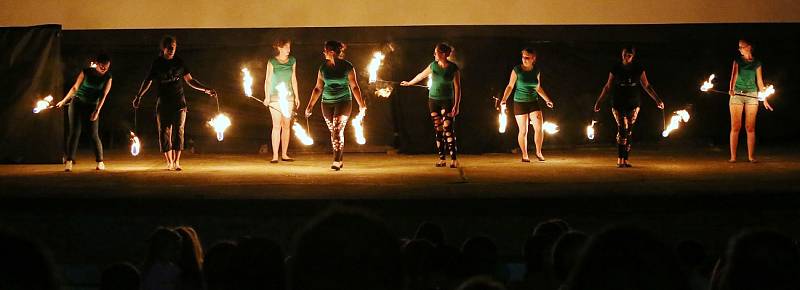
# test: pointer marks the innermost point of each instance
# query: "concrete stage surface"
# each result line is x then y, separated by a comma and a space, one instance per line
90, 217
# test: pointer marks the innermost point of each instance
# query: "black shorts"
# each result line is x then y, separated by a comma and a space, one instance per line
524, 108
440, 105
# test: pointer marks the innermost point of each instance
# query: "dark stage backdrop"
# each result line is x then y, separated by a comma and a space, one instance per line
30, 69
574, 60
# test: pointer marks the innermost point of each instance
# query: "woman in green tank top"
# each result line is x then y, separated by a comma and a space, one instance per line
86, 99
527, 80
281, 72
745, 79
337, 84
444, 99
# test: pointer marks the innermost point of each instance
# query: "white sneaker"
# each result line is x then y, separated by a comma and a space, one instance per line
100, 166
68, 166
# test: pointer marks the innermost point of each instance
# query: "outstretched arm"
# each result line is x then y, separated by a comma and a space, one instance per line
195, 84
72, 90
424, 74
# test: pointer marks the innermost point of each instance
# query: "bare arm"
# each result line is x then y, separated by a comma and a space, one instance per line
356, 90
142, 90
761, 87
604, 92
509, 87
456, 93
650, 91
96, 113
420, 76
195, 84
267, 80
315, 94
541, 92
734, 75
72, 90
294, 87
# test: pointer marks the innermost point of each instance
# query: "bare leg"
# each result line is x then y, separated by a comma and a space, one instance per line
177, 161
286, 128
538, 137
168, 157
276, 132
750, 127
522, 136
736, 125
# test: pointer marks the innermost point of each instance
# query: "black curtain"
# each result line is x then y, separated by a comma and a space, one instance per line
30, 66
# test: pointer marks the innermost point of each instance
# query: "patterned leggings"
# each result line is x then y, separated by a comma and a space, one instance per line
625, 120
443, 126
336, 116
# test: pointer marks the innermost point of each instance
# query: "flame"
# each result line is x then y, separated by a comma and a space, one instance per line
358, 125
374, 65
135, 145
92, 64
502, 119
549, 128
220, 123
675, 121
766, 93
247, 82
301, 134
384, 92
590, 130
707, 85
283, 100
43, 104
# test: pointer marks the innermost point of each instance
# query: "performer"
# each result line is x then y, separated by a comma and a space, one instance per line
169, 72
745, 80
527, 79
336, 82
86, 98
281, 70
625, 81
444, 98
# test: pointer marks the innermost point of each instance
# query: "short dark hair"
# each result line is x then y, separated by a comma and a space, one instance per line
102, 58
336, 47
629, 48
530, 50
444, 48
167, 40
280, 42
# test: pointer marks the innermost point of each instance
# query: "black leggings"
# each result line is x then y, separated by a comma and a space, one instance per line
336, 116
443, 126
80, 112
625, 118
170, 129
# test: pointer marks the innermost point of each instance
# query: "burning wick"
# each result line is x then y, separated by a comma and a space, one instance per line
766, 93
374, 65
135, 145
283, 101
675, 121
358, 125
384, 92
590, 130
707, 85
44, 104
549, 128
220, 123
247, 83
301, 134
502, 119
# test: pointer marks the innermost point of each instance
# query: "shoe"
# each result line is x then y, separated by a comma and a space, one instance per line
731, 160
100, 166
526, 160
454, 164
627, 165
620, 165
753, 160
68, 166
287, 159
178, 167
540, 158
441, 163
336, 166
273, 161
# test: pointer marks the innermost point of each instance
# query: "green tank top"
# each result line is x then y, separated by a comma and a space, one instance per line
337, 84
746, 79
442, 81
91, 89
281, 73
527, 82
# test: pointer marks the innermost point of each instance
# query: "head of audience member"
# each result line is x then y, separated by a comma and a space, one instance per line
418, 265
346, 249
481, 283
120, 276
553, 228
190, 260
217, 268
479, 257
627, 258
25, 264
761, 260
566, 252
431, 232
165, 247
258, 263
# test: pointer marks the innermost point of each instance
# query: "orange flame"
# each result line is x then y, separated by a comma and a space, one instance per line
707, 85
43, 104
358, 125
590, 130
384, 92
374, 65
301, 134
502, 119
675, 121
247, 82
770, 90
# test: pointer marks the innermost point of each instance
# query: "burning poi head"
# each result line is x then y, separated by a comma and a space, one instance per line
590, 130
247, 82
301, 134
135, 145
43, 104
762, 96
220, 123
358, 126
550, 128
502, 119
675, 121
707, 85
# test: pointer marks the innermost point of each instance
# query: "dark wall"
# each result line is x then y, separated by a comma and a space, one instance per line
574, 60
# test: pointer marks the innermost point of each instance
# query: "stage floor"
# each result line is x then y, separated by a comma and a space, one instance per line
581, 172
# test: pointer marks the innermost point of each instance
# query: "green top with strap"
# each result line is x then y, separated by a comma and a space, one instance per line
526, 85
337, 83
442, 81
281, 73
93, 86
746, 78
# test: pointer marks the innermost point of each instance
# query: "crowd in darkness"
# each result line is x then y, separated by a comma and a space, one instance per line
349, 249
